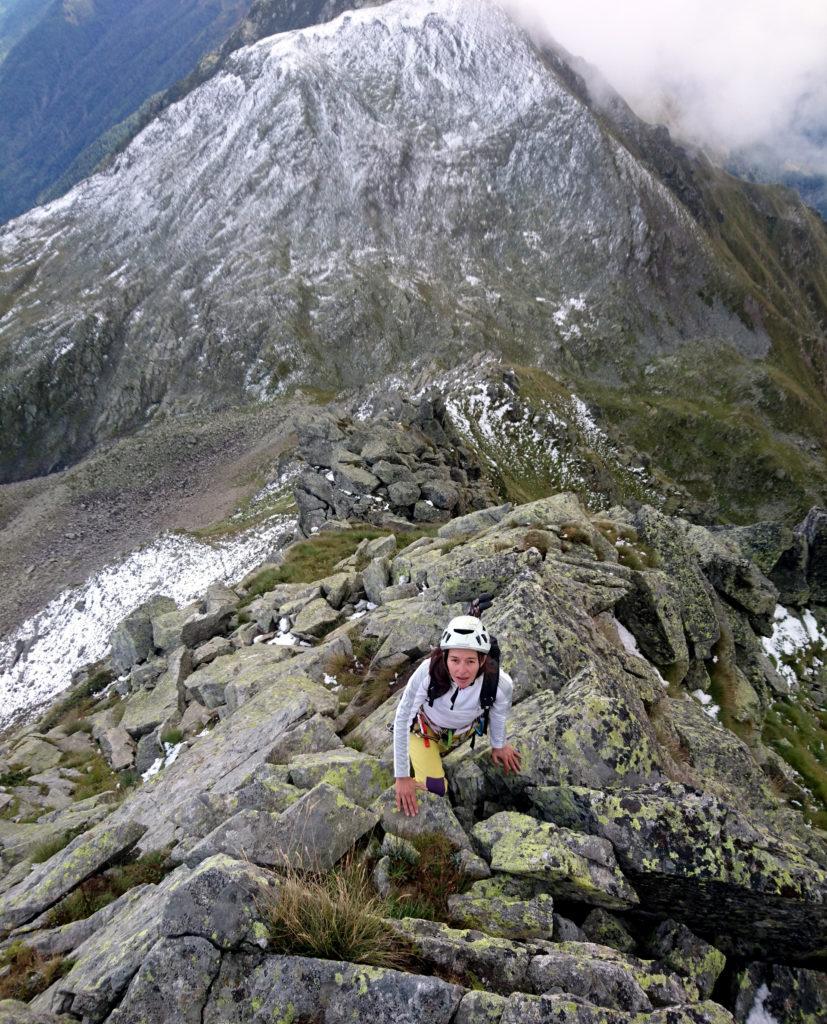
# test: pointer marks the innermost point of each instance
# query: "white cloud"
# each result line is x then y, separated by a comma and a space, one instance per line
732, 75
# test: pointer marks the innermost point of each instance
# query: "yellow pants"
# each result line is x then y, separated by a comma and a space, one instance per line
427, 761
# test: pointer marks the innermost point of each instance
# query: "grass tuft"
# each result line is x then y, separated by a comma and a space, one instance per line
421, 889
25, 973
334, 916
102, 889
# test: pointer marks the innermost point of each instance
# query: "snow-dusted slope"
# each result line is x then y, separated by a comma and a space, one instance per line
407, 179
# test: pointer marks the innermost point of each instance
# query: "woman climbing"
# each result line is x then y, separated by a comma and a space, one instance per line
454, 695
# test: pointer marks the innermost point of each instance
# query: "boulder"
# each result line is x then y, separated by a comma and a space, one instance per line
309, 737
132, 639
36, 754
14, 1012
375, 578
508, 907
148, 752
49, 882
172, 983
291, 988
316, 618
358, 775
601, 982
403, 493
147, 709
312, 834
679, 949
218, 647
435, 817
778, 992
571, 865
474, 522
605, 929
500, 965
118, 747
695, 858
651, 611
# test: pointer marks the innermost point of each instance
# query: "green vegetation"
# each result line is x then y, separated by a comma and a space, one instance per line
421, 888
17, 775
48, 849
335, 916
797, 730
77, 704
315, 558
102, 889
25, 973
97, 777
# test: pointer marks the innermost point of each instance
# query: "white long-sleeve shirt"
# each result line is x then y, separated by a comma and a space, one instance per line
465, 711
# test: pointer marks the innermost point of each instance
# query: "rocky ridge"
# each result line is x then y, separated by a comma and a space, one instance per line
647, 864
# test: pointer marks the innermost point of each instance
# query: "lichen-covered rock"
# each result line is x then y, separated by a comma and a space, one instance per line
48, 882
435, 817
604, 928
791, 995
480, 1008
35, 753
600, 981
375, 578
308, 737
172, 983
147, 709
132, 640
568, 1009
474, 522
508, 907
578, 867
312, 834
693, 857
317, 618
682, 951
14, 1012
501, 965
358, 775
18, 840
652, 612
259, 989
117, 747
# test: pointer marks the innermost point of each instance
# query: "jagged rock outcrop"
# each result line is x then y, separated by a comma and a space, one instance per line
640, 849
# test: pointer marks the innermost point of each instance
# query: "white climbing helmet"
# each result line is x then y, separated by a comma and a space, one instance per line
468, 632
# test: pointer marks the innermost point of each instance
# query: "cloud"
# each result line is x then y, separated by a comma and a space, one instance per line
727, 75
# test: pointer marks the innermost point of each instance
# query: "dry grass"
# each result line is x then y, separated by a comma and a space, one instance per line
335, 915
25, 973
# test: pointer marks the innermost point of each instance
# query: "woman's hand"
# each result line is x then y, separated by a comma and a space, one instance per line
406, 796
506, 756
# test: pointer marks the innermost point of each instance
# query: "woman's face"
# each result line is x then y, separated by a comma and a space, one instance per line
463, 666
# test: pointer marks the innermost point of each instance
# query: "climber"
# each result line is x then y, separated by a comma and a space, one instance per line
450, 697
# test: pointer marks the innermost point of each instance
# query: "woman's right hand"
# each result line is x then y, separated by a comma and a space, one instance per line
406, 796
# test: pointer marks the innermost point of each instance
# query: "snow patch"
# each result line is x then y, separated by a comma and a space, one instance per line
759, 1014
38, 659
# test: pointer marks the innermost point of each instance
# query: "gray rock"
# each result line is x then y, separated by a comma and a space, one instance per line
651, 611
35, 753
381, 547
305, 989
602, 983
358, 775
375, 578
218, 596
402, 493
474, 522
341, 588
132, 639
308, 737
354, 478
442, 493
425, 512
203, 687
117, 747
504, 906
391, 473
605, 929
316, 618
14, 1012
501, 965
435, 816
480, 1008
569, 864
147, 709
398, 592
682, 951
144, 677
166, 627
49, 882
172, 983
148, 752
212, 649
196, 629
765, 991
567, 931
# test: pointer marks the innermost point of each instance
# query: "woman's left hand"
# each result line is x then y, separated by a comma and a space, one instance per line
507, 756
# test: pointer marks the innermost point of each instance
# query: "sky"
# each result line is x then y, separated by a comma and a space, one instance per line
723, 74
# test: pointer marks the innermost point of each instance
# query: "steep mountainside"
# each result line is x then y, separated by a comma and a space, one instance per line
84, 66
420, 182
16, 18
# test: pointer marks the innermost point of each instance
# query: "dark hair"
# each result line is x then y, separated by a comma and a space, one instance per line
441, 681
